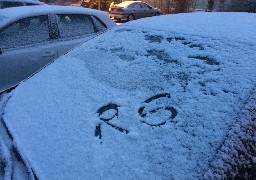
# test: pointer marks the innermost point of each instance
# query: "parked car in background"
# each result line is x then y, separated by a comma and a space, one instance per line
15, 3
33, 36
130, 10
167, 97
110, 6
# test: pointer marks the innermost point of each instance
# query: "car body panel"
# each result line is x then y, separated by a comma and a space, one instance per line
14, 67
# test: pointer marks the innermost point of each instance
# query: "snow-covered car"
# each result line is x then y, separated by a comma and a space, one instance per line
130, 10
167, 97
33, 36
15, 3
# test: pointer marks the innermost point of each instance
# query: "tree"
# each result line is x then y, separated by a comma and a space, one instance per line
242, 6
251, 6
184, 6
222, 5
210, 5
181, 6
96, 4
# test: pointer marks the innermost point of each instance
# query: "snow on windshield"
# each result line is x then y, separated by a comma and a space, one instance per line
133, 103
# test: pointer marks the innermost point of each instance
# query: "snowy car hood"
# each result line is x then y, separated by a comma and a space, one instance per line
156, 105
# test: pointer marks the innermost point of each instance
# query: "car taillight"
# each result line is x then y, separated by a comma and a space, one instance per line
120, 10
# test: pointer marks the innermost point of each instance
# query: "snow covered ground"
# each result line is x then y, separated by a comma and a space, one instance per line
168, 97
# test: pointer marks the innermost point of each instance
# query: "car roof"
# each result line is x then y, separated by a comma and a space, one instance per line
14, 13
150, 99
126, 3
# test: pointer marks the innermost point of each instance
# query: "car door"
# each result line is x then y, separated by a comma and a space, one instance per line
147, 10
137, 10
25, 48
75, 29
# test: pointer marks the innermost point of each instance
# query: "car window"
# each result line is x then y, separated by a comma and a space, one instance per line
73, 25
135, 6
25, 32
10, 4
144, 6
99, 25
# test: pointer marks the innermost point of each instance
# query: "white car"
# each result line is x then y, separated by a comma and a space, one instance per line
167, 97
15, 3
33, 36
